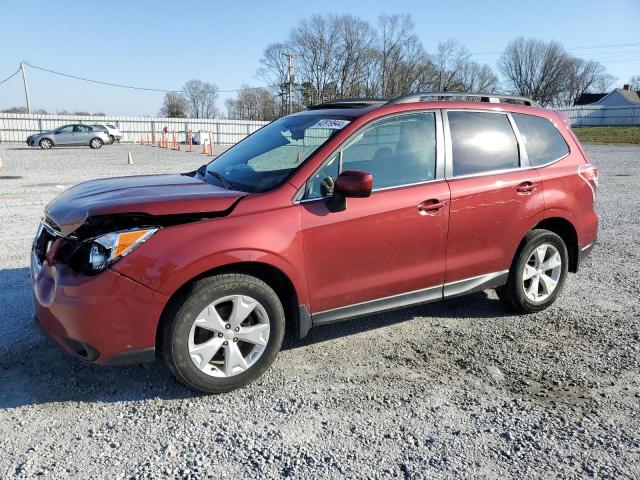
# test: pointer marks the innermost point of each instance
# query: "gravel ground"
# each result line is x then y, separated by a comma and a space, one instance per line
458, 389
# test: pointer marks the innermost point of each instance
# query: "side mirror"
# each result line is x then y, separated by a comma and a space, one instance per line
350, 183
353, 183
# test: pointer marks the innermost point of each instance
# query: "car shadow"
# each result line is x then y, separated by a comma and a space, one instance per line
34, 370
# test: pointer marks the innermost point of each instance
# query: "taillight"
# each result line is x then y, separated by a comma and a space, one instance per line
589, 173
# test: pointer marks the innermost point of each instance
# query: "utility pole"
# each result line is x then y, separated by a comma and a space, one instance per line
289, 56
26, 87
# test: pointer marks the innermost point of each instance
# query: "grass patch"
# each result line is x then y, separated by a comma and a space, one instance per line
608, 134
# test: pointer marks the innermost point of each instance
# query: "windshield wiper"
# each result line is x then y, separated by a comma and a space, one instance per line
223, 179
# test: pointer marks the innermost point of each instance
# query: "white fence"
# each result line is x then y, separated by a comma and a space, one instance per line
16, 127
597, 115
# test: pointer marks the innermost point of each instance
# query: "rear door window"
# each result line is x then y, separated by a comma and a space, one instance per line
482, 142
543, 141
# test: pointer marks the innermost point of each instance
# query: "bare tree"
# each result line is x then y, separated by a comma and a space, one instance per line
273, 70
15, 110
634, 83
402, 58
345, 56
356, 52
451, 63
545, 72
584, 76
314, 42
253, 104
174, 105
201, 98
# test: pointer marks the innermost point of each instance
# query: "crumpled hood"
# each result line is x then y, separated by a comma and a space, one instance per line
148, 194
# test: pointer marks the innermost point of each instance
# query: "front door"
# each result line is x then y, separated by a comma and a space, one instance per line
388, 249
495, 196
63, 136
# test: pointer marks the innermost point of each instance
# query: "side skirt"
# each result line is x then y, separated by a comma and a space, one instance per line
427, 295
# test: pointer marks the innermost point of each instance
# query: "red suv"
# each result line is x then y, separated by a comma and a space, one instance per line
340, 211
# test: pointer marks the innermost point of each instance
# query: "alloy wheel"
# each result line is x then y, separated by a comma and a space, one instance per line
542, 273
229, 336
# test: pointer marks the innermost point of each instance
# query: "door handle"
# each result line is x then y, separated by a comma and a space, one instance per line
526, 187
432, 206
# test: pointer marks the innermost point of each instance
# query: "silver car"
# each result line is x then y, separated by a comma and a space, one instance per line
70, 135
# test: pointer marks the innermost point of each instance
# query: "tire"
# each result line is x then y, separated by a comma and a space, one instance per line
183, 338
113, 139
96, 143
46, 144
533, 294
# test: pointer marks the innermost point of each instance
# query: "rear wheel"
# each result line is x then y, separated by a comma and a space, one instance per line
46, 144
96, 143
223, 332
537, 274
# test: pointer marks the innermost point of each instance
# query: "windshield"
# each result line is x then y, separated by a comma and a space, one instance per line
265, 159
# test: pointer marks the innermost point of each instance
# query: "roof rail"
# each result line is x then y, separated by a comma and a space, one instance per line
479, 97
349, 103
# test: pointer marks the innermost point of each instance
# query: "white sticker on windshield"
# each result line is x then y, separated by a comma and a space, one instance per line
331, 123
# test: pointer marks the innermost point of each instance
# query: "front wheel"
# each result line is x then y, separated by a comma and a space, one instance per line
96, 143
537, 274
223, 332
46, 144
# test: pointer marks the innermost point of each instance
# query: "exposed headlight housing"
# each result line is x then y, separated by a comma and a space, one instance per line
111, 247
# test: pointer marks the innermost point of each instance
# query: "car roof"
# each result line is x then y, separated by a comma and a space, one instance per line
378, 109
355, 108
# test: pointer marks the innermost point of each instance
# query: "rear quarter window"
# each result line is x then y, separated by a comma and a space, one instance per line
542, 140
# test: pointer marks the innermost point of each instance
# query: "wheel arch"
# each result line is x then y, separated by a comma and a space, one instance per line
271, 275
565, 230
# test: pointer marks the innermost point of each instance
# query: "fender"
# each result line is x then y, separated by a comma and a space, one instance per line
175, 255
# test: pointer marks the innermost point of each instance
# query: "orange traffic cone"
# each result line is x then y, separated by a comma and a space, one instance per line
141, 139
205, 150
174, 139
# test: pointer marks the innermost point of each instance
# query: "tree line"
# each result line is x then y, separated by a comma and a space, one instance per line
343, 56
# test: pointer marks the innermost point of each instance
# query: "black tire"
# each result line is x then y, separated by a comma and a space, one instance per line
512, 294
46, 144
181, 314
113, 139
96, 143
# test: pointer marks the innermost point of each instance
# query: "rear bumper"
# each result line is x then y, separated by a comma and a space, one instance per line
106, 319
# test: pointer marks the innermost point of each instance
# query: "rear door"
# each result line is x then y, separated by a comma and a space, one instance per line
82, 134
496, 196
386, 250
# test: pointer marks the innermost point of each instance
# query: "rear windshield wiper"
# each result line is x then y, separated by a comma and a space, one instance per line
223, 179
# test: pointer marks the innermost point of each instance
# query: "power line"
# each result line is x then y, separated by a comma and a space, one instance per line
119, 85
584, 47
10, 76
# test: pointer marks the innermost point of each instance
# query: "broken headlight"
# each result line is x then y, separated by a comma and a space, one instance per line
110, 247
